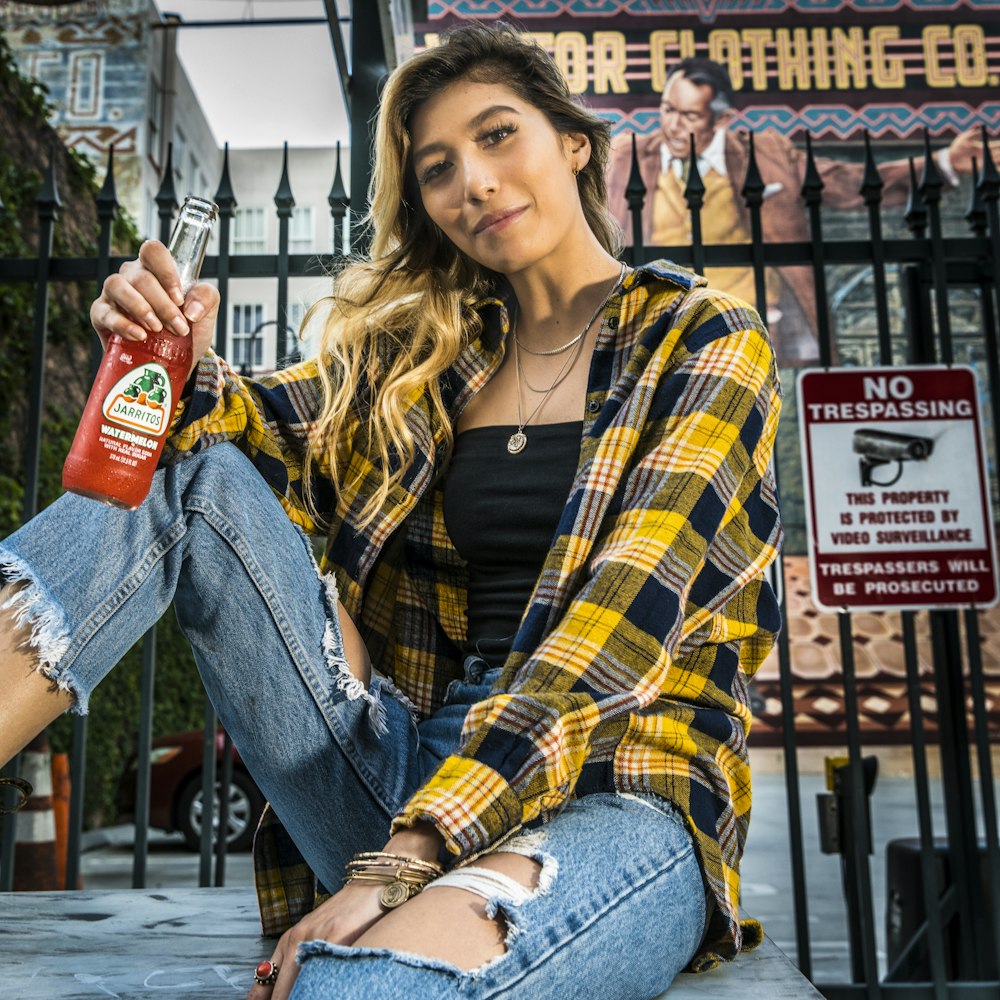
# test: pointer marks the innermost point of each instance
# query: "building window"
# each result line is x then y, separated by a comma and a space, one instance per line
249, 231
300, 230
85, 84
248, 349
180, 148
154, 105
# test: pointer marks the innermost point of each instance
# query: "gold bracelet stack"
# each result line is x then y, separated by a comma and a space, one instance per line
402, 877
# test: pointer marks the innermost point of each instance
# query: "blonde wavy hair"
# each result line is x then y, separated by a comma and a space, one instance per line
397, 320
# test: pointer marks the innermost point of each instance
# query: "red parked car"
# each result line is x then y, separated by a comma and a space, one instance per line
175, 799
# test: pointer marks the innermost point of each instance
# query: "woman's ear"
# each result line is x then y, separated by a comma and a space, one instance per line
577, 148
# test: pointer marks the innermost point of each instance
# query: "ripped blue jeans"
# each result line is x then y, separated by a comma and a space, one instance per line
335, 758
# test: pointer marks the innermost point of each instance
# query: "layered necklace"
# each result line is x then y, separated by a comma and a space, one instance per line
518, 440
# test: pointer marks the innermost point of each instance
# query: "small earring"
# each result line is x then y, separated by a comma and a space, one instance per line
576, 171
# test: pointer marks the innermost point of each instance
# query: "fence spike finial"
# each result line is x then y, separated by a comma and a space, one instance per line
166, 197
225, 196
916, 208
931, 180
694, 190
48, 201
871, 182
283, 197
989, 179
107, 197
753, 183
975, 214
812, 183
635, 190
338, 198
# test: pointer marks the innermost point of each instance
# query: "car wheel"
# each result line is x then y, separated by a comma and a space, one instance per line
245, 806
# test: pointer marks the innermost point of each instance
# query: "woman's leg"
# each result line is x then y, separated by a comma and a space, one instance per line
265, 630
618, 877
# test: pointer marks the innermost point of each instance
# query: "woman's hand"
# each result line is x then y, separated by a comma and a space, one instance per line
342, 919
145, 294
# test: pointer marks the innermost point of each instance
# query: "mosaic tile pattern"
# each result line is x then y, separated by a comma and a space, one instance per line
880, 667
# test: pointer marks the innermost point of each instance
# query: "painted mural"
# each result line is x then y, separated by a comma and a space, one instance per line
93, 58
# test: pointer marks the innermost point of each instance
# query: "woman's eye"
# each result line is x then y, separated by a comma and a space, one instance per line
498, 134
432, 172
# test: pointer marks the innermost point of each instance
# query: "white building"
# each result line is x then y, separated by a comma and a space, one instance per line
253, 320
112, 74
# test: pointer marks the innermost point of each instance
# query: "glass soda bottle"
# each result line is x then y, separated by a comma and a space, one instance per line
138, 386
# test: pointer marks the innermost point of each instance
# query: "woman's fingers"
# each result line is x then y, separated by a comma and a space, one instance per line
284, 959
144, 295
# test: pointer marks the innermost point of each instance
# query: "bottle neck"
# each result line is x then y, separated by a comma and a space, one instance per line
189, 239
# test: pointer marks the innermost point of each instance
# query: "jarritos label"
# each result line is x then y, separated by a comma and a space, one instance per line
141, 400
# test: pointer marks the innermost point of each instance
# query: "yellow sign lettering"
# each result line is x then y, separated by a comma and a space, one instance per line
849, 58
724, 47
970, 56
610, 62
757, 40
571, 55
793, 58
933, 36
888, 71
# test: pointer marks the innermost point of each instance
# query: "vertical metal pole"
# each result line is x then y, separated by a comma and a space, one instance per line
48, 206
368, 66
225, 198
859, 879
225, 786
8, 830
991, 964
146, 686
285, 202
207, 796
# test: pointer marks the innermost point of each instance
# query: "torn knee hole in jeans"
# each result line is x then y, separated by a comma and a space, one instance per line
503, 894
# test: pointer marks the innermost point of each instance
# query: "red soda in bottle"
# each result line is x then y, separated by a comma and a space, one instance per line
138, 386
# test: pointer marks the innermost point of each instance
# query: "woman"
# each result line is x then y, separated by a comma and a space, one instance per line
544, 479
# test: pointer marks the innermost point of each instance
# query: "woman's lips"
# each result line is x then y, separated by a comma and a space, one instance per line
498, 221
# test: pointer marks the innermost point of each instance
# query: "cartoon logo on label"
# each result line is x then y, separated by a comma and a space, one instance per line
140, 400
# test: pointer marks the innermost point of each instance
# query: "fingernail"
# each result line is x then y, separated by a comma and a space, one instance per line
180, 327
194, 312
153, 323
177, 295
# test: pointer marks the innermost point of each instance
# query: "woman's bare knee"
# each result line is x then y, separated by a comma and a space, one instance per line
30, 700
453, 924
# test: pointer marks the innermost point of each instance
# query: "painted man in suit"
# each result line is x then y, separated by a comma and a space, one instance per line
698, 99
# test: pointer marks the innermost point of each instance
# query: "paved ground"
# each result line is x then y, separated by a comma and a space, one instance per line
767, 892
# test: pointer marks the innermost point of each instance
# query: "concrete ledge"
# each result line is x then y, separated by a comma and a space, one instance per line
198, 943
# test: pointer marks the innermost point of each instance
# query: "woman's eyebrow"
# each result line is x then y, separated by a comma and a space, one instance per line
473, 123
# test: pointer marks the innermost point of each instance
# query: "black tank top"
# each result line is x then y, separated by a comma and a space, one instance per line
501, 512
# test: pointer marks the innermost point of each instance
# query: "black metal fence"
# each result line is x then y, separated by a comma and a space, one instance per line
954, 946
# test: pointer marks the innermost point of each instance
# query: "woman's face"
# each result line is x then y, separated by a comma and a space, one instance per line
496, 177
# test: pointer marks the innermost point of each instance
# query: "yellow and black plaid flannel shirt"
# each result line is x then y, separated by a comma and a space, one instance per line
630, 667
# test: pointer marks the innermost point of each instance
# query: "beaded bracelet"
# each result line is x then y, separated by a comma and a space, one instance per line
402, 877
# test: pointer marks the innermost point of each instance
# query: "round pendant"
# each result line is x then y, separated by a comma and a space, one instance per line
394, 894
516, 443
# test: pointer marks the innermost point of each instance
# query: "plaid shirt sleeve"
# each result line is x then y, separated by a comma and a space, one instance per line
681, 459
269, 419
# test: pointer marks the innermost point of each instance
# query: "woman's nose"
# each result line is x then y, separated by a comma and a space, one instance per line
480, 180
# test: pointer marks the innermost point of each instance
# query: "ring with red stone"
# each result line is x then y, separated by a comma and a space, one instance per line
266, 974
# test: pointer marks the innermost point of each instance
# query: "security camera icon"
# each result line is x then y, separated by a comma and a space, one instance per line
883, 447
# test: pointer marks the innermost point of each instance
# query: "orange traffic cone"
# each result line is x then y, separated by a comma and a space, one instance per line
35, 830
61, 788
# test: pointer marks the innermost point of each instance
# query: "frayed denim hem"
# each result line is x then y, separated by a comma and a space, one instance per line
50, 635
326, 949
